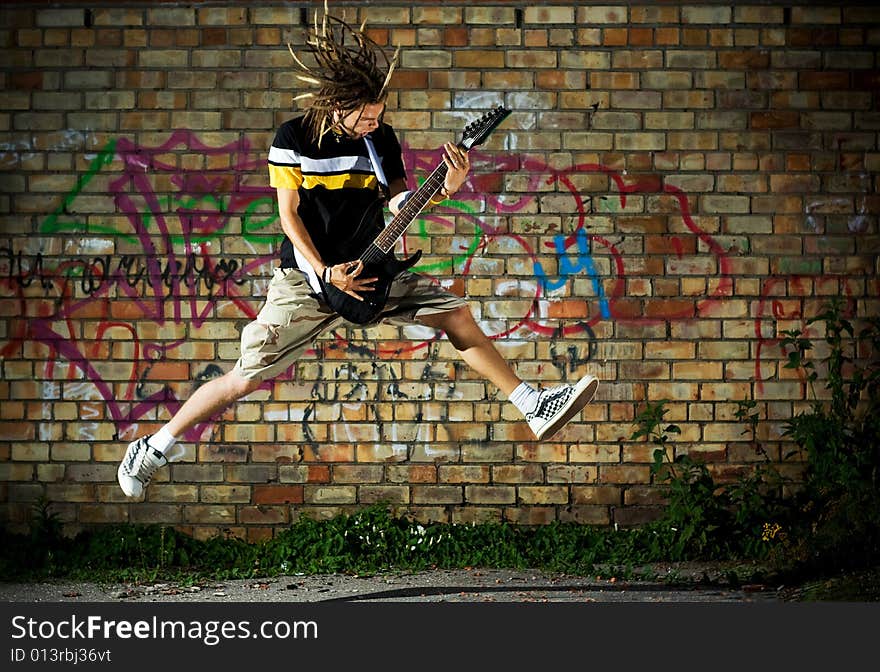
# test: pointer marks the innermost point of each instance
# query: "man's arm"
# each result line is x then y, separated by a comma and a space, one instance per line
295, 229
396, 188
457, 167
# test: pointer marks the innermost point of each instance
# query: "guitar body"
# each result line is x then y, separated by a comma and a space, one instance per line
363, 312
377, 264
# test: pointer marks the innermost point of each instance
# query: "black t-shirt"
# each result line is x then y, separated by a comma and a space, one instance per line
336, 183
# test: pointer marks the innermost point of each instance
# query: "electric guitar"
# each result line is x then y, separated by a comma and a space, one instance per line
375, 245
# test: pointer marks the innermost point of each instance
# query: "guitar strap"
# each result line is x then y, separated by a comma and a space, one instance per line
377, 167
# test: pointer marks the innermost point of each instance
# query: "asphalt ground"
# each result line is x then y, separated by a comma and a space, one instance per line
667, 584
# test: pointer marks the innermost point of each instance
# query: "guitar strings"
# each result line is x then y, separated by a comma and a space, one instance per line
380, 247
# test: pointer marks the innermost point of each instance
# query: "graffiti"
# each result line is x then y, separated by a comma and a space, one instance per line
23, 149
850, 170
775, 315
568, 268
181, 221
91, 276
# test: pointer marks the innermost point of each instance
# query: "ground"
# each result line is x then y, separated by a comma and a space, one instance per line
664, 582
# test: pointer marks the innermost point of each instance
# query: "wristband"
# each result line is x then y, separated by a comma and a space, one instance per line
443, 196
326, 273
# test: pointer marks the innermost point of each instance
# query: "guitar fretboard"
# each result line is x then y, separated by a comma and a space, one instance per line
417, 202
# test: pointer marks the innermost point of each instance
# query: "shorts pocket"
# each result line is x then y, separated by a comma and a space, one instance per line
260, 344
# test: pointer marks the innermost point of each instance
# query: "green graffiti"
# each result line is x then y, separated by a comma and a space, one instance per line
250, 223
52, 223
458, 258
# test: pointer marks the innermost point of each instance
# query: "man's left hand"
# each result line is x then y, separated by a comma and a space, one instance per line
457, 165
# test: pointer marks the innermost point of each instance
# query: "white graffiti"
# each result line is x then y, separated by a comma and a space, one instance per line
26, 148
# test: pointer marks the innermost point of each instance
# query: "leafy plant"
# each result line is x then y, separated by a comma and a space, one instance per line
708, 519
841, 438
693, 510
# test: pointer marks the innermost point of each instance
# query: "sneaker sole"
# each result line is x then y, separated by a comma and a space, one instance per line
581, 397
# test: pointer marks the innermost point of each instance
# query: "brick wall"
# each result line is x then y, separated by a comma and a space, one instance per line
677, 185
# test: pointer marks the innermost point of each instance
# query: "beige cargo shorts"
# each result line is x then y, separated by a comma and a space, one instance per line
294, 316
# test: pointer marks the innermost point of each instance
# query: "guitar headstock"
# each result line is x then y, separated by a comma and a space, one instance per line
476, 132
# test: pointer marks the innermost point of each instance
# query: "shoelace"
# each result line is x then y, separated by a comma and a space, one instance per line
148, 465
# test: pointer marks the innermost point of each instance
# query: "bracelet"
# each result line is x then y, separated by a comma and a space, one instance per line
326, 273
443, 196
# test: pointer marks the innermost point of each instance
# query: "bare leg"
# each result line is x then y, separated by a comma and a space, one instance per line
474, 347
210, 398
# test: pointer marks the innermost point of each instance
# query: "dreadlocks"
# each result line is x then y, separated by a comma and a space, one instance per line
347, 72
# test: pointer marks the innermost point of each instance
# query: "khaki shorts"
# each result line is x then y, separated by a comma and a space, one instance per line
294, 316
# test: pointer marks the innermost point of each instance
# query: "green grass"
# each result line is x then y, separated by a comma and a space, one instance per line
369, 541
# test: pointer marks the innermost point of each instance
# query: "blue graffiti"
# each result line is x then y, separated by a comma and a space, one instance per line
570, 265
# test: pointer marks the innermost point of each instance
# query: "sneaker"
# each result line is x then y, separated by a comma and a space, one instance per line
139, 464
557, 405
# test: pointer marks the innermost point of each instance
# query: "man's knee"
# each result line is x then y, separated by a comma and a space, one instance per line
238, 386
461, 328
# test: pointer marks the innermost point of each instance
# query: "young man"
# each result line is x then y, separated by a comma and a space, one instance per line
325, 180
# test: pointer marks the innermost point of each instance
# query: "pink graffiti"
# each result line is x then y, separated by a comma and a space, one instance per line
540, 174
134, 194
51, 323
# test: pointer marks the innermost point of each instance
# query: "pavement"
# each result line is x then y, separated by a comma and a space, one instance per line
668, 583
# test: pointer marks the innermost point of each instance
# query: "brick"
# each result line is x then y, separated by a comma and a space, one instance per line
531, 473
603, 14
412, 474
549, 14
103, 513
437, 494
320, 494
346, 473
495, 16
429, 59
487, 494
813, 15
278, 494
394, 494
17, 472
464, 474
596, 495
225, 494
381, 453
264, 515
542, 494
706, 14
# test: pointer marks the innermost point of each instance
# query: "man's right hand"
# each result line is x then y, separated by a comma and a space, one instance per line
345, 278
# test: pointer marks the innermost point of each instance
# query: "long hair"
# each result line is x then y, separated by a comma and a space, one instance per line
348, 72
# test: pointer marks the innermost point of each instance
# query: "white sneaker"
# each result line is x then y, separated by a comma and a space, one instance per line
139, 464
557, 405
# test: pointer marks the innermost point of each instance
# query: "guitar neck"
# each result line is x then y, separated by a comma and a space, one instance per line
417, 202
474, 134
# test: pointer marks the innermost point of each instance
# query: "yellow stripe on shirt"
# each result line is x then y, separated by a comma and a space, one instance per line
342, 181
285, 177
288, 177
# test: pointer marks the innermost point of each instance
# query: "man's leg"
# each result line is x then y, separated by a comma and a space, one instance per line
546, 411
287, 324
209, 399
475, 348
147, 454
